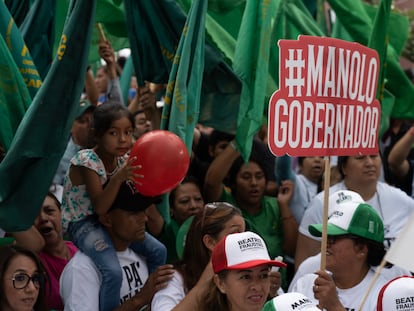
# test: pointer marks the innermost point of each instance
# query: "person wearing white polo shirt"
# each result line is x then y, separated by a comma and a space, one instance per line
355, 236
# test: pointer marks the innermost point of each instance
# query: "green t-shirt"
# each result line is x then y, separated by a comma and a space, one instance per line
168, 237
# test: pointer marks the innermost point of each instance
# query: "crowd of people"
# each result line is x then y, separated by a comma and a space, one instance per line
235, 234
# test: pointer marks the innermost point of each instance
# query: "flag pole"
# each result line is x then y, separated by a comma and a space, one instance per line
327, 183
374, 279
101, 31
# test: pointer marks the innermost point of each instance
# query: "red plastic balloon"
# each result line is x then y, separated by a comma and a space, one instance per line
164, 159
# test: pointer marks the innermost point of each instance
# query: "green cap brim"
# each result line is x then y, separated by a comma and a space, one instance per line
181, 236
316, 230
6, 241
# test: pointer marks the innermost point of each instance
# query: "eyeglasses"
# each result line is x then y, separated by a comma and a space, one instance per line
21, 280
331, 239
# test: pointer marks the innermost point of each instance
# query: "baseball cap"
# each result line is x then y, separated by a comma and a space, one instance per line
397, 294
343, 197
239, 251
83, 106
354, 218
290, 302
129, 199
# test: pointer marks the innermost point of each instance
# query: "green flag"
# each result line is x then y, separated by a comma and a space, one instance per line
154, 31
353, 17
40, 141
379, 41
182, 100
251, 64
38, 33
19, 9
19, 50
110, 13
125, 79
14, 96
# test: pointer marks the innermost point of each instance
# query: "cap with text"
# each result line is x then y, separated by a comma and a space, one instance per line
397, 294
341, 197
240, 251
290, 302
353, 218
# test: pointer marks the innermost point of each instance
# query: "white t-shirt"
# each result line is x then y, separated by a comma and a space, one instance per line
81, 280
392, 204
170, 296
312, 264
350, 298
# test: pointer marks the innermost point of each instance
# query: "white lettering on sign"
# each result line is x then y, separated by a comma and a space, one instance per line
326, 103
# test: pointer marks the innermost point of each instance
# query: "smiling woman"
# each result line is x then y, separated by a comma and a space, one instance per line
241, 281
47, 239
21, 280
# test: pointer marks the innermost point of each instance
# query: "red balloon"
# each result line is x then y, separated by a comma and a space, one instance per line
164, 161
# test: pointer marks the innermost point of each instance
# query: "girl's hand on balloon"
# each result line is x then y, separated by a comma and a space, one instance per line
128, 171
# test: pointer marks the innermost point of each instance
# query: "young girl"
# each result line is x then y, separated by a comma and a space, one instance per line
85, 198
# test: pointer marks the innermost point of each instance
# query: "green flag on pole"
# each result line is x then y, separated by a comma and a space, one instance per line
358, 24
125, 79
110, 14
19, 50
14, 96
40, 141
379, 42
182, 100
19, 9
38, 33
251, 64
154, 29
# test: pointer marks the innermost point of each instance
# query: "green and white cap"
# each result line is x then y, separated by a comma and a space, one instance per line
341, 197
358, 219
290, 302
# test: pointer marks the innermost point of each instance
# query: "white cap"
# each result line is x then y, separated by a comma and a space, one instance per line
397, 295
290, 302
239, 251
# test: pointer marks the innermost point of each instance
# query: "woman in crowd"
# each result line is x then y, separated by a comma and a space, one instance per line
22, 280
46, 239
360, 174
194, 271
241, 266
185, 201
355, 236
269, 217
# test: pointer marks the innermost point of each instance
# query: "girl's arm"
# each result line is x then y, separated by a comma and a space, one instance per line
103, 198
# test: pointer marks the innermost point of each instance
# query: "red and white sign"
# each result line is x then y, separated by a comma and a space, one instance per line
326, 103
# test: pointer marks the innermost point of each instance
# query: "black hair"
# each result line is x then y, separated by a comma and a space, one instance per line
105, 114
376, 251
217, 136
341, 163
239, 162
139, 111
7, 254
187, 179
